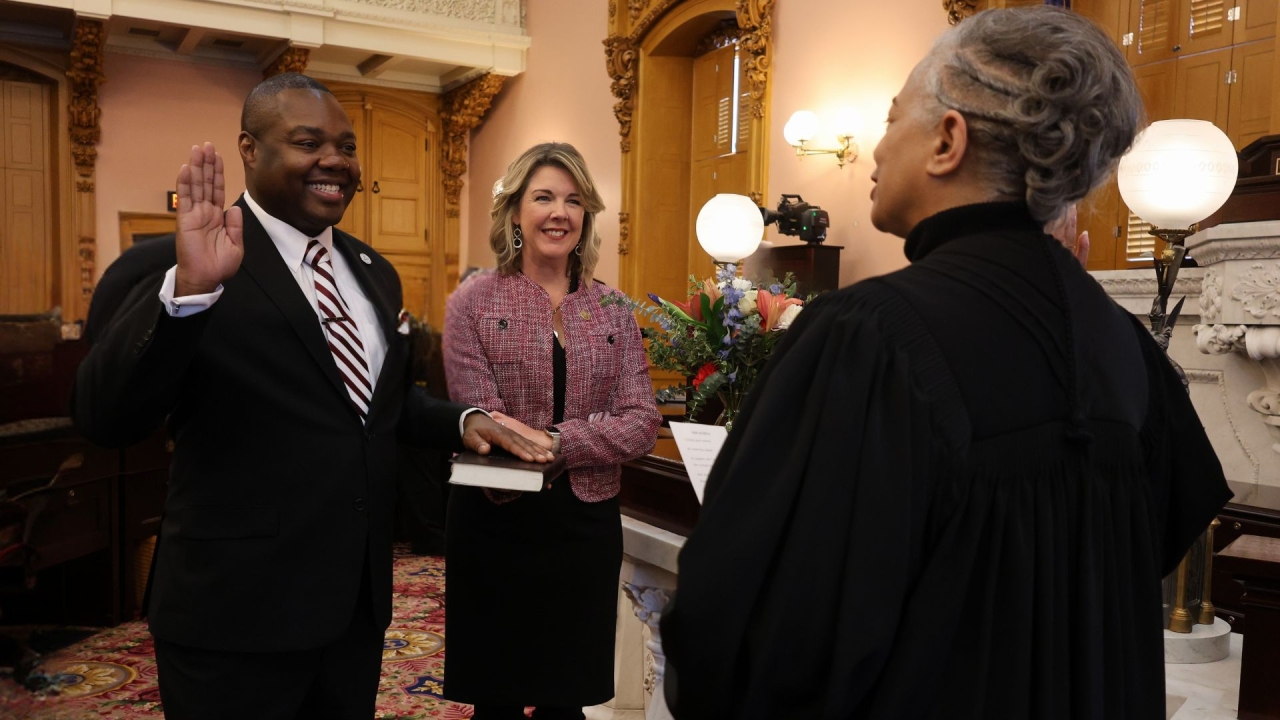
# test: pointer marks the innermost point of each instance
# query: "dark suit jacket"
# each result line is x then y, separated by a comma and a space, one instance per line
278, 496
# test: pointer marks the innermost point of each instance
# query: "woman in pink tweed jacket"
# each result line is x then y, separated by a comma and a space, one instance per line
531, 343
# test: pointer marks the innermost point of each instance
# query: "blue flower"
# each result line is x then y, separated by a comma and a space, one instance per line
656, 300
733, 377
775, 288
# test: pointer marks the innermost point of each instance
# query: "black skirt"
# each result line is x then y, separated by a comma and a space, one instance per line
531, 598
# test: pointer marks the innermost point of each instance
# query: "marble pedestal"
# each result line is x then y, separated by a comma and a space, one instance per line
1204, 644
648, 580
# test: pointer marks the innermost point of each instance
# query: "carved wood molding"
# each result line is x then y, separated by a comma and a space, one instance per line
624, 233
293, 60
755, 18
726, 33
83, 112
755, 34
461, 111
958, 10
620, 56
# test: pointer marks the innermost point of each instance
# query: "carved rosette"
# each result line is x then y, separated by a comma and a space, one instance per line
1258, 290
648, 603
635, 8
624, 233
293, 60
461, 111
724, 35
620, 60
958, 10
1211, 296
755, 18
83, 113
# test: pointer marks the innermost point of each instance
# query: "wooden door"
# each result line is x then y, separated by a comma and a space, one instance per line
1154, 25
1257, 20
26, 244
355, 220
1203, 92
1205, 26
1251, 92
395, 182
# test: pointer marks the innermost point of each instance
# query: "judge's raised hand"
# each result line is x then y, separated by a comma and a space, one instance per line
480, 433
1063, 229
210, 244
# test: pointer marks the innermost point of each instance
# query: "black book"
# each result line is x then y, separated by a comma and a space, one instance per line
502, 471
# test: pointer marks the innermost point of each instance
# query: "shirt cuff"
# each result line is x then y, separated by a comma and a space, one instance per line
188, 305
462, 419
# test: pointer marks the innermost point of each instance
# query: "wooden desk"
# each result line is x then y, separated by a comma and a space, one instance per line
1254, 561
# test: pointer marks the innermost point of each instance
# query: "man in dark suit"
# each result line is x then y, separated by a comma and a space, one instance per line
271, 347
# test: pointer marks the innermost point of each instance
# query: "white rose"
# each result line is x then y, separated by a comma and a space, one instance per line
742, 284
788, 317
747, 304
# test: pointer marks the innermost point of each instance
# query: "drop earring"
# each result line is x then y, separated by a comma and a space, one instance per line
519, 239
577, 249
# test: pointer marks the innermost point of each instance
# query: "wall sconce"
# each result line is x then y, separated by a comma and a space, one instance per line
802, 128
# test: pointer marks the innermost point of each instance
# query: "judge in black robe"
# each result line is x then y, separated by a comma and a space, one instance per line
955, 489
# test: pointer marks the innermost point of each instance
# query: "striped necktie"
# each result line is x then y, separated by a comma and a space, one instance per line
340, 329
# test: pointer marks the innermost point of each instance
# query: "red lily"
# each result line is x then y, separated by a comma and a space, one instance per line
704, 372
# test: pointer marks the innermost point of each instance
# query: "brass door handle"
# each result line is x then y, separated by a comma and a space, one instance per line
376, 189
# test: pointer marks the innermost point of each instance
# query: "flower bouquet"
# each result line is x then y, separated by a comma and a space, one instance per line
720, 337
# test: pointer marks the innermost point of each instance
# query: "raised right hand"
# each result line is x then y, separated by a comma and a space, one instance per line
210, 245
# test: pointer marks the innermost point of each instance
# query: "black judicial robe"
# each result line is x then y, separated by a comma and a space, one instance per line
953, 494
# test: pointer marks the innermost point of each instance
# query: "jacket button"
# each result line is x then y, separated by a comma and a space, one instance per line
502, 324
359, 504
548, 486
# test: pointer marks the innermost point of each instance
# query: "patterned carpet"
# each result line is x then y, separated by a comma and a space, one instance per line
112, 674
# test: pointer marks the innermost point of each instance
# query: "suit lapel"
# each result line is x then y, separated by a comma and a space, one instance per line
268, 270
387, 307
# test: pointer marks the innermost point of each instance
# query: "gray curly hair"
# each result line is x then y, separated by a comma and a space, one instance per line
1049, 101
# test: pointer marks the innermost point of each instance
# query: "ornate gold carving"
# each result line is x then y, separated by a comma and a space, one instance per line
620, 56
657, 9
613, 9
958, 10
757, 197
461, 111
726, 33
453, 212
83, 113
634, 8
87, 251
624, 233
293, 60
755, 17
85, 186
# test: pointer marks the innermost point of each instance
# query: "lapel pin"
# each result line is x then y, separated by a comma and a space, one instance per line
586, 315
365, 259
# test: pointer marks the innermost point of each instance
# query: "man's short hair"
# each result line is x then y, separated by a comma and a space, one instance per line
259, 105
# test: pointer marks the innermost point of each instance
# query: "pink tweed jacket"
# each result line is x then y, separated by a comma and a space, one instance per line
497, 353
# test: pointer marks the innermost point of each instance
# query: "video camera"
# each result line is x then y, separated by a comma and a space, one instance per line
798, 218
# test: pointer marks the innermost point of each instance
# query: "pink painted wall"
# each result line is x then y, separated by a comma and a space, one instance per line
827, 54
857, 55
153, 111
562, 95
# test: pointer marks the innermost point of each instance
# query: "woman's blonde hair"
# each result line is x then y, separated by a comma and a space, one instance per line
510, 190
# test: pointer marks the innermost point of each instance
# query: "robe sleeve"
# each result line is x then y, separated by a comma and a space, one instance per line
791, 586
1184, 470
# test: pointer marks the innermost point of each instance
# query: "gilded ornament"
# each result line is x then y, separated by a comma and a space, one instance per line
461, 111
293, 60
85, 74
958, 10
